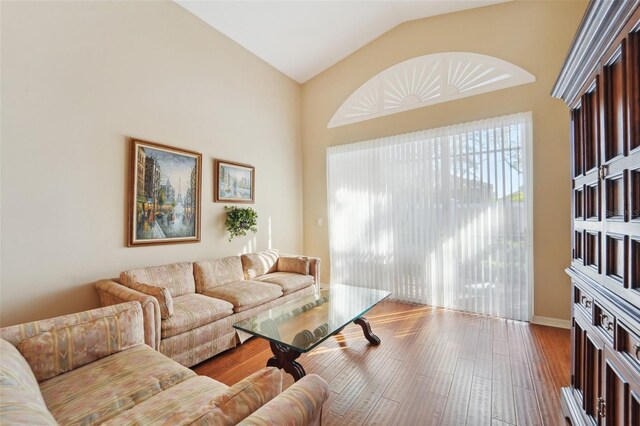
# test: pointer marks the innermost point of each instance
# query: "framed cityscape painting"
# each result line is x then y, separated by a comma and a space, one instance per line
164, 202
234, 182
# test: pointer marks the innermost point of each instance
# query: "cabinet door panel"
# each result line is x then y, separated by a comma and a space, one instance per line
578, 203
592, 250
634, 264
593, 201
578, 142
615, 193
591, 371
617, 393
577, 365
588, 366
616, 251
633, 83
634, 195
591, 127
615, 111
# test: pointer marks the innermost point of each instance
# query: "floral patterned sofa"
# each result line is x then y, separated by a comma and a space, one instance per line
190, 308
93, 368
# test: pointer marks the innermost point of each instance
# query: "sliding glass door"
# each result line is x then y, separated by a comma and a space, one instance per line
439, 217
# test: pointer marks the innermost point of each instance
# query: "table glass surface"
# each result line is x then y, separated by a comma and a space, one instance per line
302, 324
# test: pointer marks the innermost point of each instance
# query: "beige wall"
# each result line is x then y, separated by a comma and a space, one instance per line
78, 78
532, 35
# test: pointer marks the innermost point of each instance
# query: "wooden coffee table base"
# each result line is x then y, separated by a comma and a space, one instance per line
285, 358
366, 329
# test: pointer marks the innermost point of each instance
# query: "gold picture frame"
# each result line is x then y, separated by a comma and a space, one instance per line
164, 194
234, 182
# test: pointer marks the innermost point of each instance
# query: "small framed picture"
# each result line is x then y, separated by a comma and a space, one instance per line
234, 182
164, 200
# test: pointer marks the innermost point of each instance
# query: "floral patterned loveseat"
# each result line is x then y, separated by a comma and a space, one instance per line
94, 368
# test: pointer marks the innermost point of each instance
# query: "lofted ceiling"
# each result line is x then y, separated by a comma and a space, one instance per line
304, 38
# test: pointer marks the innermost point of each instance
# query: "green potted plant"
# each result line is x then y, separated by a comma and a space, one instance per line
240, 220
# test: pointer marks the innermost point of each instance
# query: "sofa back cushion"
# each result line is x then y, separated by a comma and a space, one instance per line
214, 273
22, 402
294, 264
257, 264
177, 277
55, 346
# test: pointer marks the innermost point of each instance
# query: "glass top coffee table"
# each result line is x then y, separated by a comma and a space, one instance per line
302, 324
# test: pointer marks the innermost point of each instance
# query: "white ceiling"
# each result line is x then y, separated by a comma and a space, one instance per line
304, 38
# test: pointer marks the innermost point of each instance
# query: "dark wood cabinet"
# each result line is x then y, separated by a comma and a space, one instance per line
600, 82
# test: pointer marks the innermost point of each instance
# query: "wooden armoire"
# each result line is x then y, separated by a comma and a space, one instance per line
600, 83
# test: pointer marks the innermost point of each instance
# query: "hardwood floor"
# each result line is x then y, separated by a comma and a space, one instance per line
434, 367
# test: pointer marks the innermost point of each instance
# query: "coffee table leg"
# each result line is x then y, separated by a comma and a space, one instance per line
366, 329
284, 358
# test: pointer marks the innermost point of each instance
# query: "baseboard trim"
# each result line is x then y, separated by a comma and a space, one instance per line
551, 322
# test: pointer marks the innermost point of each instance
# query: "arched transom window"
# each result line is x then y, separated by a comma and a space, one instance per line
428, 80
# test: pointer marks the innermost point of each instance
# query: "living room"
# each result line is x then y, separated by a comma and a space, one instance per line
86, 87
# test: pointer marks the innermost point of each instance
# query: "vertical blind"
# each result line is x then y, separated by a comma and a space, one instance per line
440, 217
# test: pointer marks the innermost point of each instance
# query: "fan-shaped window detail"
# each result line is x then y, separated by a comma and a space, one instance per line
428, 80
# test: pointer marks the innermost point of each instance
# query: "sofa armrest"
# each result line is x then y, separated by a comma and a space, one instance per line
299, 405
314, 266
246, 396
112, 293
22, 401
314, 270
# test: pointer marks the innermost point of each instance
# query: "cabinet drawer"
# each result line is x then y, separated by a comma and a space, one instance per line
628, 343
604, 320
583, 301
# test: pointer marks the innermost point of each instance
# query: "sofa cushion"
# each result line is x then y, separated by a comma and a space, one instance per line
192, 311
20, 397
162, 295
54, 352
177, 277
194, 346
101, 390
204, 401
214, 273
297, 265
256, 264
290, 282
246, 294
185, 403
